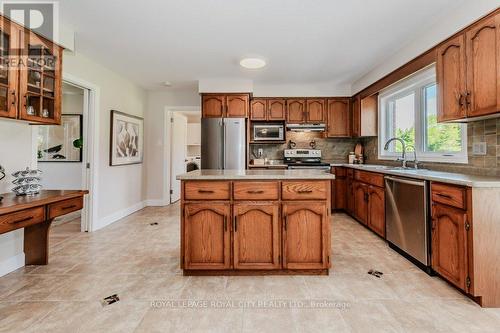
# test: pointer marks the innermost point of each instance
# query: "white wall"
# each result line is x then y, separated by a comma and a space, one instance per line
121, 188
451, 22
64, 175
15, 154
158, 138
316, 89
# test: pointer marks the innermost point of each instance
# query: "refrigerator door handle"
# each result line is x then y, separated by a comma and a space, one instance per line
223, 123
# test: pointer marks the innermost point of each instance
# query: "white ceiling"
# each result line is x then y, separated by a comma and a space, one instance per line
304, 42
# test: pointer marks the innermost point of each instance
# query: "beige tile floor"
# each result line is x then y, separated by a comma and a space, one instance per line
139, 262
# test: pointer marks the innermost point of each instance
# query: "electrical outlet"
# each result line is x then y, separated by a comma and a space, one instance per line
260, 152
479, 148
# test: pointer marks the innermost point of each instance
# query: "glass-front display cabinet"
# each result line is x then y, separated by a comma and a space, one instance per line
40, 80
9, 71
30, 75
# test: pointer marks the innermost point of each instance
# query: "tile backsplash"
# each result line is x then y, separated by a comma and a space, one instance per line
337, 149
332, 149
479, 131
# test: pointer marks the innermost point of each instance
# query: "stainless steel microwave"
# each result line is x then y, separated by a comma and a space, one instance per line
268, 132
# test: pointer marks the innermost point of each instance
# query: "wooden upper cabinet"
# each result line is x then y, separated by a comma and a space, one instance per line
9, 77
30, 87
256, 231
296, 109
450, 78
368, 116
315, 110
207, 236
449, 244
338, 117
268, 109
40, 82
482, 44
225, 105
237, 106
356, 116
258, 109
213, 106
376, 210
276, 109
364, 115
306, 235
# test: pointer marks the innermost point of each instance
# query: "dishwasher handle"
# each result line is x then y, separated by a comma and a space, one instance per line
406, 181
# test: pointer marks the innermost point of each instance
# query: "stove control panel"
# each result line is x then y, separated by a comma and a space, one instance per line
302, 153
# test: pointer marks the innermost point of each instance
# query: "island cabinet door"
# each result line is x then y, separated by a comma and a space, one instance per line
256, 231
207, 236
305, 236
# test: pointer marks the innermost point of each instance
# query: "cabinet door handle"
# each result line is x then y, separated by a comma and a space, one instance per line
25, 101
235, 224
467, 98
205, 191
304, 191
225, 223
13, 97
286, 221
447, 196
68, 207
255, 192
460, 100
22, 220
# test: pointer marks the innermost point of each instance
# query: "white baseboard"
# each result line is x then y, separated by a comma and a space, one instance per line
157, 202
11, 264
105, 221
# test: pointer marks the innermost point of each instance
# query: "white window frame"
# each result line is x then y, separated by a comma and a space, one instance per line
417, 82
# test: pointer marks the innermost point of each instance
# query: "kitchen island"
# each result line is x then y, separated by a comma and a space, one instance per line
251, 222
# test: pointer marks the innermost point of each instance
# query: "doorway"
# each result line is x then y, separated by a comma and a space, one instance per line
185, 144
63, 154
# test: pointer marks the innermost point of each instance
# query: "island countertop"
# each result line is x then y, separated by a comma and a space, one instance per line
306, 174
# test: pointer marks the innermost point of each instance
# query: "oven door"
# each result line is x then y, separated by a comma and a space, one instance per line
268, 132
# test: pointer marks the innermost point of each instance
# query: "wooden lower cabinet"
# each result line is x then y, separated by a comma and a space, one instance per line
256, 231
207, 236
449, 244
306, 240
350, 192
376, 210
369, 206
360, 202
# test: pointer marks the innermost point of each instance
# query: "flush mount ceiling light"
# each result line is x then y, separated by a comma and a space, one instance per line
252, 63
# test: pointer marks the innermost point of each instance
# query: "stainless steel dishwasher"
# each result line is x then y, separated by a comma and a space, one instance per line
407, 218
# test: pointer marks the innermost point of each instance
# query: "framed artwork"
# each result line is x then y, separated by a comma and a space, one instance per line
127, 135
61, 143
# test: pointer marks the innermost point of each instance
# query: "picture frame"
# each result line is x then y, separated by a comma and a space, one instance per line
61, 143
126, 139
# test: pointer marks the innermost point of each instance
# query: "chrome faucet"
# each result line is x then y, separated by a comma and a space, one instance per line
403, 154
415, 161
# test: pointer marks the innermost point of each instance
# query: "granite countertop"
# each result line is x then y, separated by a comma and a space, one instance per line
311, 174
425, 174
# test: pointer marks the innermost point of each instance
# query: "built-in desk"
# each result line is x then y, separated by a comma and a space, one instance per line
35, 214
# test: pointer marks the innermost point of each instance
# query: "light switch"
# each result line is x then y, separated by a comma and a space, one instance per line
479, 148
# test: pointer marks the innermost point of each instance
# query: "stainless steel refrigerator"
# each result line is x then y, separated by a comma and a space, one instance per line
223, 143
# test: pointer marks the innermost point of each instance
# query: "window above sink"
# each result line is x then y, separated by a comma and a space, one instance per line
407, 110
